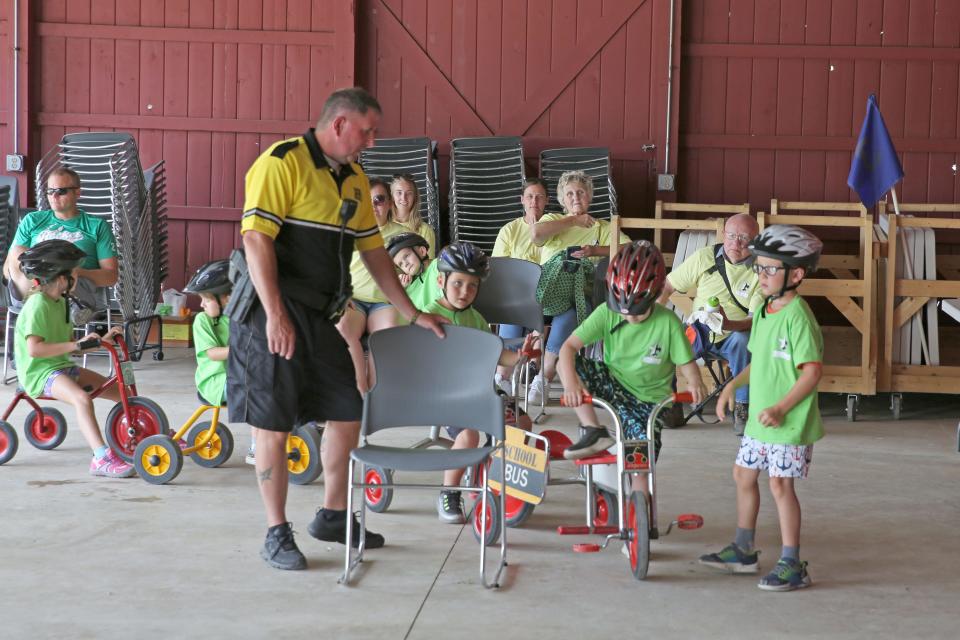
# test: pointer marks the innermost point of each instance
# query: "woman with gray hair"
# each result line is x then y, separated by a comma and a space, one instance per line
580, 235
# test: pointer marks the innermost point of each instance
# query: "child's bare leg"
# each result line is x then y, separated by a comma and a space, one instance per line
587, 415
351, 327
92, 380
382, 318
466, 439
748, 496
66, 389
788, 510
550, 365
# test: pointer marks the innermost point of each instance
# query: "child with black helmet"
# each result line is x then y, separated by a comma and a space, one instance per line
643, 343
211, 333
44, 340
786, 349
418, 272
461, 267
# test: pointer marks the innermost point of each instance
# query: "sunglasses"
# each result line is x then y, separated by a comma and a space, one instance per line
379, 199
60, 191
769, 270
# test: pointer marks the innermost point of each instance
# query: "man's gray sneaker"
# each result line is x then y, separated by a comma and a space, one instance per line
279, 549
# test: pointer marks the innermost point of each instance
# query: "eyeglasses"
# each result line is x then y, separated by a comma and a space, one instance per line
769, 270
739, 237
379, 199
60, 191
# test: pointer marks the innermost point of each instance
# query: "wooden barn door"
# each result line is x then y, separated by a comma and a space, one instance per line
559, 73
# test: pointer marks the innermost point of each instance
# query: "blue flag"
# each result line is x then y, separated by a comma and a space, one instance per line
875, 167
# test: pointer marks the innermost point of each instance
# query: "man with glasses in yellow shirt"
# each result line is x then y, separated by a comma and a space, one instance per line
724, 271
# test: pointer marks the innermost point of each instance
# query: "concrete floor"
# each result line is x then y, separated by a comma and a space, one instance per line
95, 558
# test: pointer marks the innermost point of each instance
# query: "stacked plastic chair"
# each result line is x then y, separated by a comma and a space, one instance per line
8, 215
486, 182
595, 162
115, 187
414, 156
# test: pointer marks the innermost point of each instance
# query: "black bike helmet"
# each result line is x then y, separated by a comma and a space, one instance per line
635, 278
212, 278
47, 260
405, 240
464, 257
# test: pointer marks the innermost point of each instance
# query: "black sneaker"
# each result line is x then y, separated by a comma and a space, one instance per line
331, 526
674, 418
450, 507
279, 549
741, 410
593, 441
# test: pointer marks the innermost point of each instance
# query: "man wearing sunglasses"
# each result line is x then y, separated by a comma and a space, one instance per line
724, 271
65, 221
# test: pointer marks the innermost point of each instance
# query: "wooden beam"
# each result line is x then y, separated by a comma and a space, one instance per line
928, 288
821, 287
907, 308
850, 310
808, 143
172, 123
821, 52
172, 34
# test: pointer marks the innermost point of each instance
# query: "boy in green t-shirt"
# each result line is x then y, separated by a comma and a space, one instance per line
211, 334
786, 349
418, 272
643, 344
461, 266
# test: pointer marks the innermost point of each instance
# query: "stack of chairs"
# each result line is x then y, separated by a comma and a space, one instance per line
115, 187
486, 182
595, 162
9, 214
414, 156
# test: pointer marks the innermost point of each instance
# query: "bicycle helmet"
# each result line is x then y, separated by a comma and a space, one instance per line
635, 278
405, 240
212, 278
791, 245
464, 257
47, 260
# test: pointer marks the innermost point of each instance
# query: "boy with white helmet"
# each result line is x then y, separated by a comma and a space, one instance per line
786, 349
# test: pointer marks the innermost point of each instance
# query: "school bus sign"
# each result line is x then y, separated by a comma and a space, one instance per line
526, 470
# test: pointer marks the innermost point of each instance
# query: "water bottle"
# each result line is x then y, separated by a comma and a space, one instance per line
713, 305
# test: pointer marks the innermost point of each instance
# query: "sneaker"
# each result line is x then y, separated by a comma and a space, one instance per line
280, 551
250, 458
334, 529
111, 466
787, 575
673, 418
732, 560
450, 507
180, 441
740, 412
535, 395
593, 441
504, 384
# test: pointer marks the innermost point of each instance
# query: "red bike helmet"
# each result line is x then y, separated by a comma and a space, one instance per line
635, 278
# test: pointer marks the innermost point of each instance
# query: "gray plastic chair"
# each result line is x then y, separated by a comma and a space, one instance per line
453, 377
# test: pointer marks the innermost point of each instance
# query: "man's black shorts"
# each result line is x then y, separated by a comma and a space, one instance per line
270, 392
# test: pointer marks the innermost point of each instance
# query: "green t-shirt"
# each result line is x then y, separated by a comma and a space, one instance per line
466, 318
211, 376
779, 344
642, 357
424, 289
45, 317
692, 274
514, 241
90, 234
599, 233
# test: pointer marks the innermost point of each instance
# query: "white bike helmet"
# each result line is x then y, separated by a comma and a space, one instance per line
792, 245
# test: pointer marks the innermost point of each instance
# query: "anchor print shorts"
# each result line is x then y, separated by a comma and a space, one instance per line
780, 460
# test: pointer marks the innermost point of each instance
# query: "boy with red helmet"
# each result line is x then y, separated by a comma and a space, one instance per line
643, 343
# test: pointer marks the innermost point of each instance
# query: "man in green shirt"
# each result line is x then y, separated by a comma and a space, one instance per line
739, 296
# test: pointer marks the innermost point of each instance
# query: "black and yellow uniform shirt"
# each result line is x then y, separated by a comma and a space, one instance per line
294, 197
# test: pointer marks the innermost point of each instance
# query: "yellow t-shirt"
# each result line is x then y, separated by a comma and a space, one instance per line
514, 241
599, 234
294, 197
365, 288
425, 231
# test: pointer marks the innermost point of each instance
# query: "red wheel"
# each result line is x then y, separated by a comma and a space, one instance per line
605, 508
516, 511
378, 499
493, 518
8, 442
48, 433
558, 443
638, 526
124, 433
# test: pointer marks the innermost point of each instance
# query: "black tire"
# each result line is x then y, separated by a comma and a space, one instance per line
638, 544
158, 459
158, 355
303, 455
493, 518
378, 500
147, 418
217, 450
517, 511
9, 442
49, 433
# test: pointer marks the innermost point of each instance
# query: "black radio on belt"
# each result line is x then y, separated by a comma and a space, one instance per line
338, 302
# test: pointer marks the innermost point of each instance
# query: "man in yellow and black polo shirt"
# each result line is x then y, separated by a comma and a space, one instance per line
307, 207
